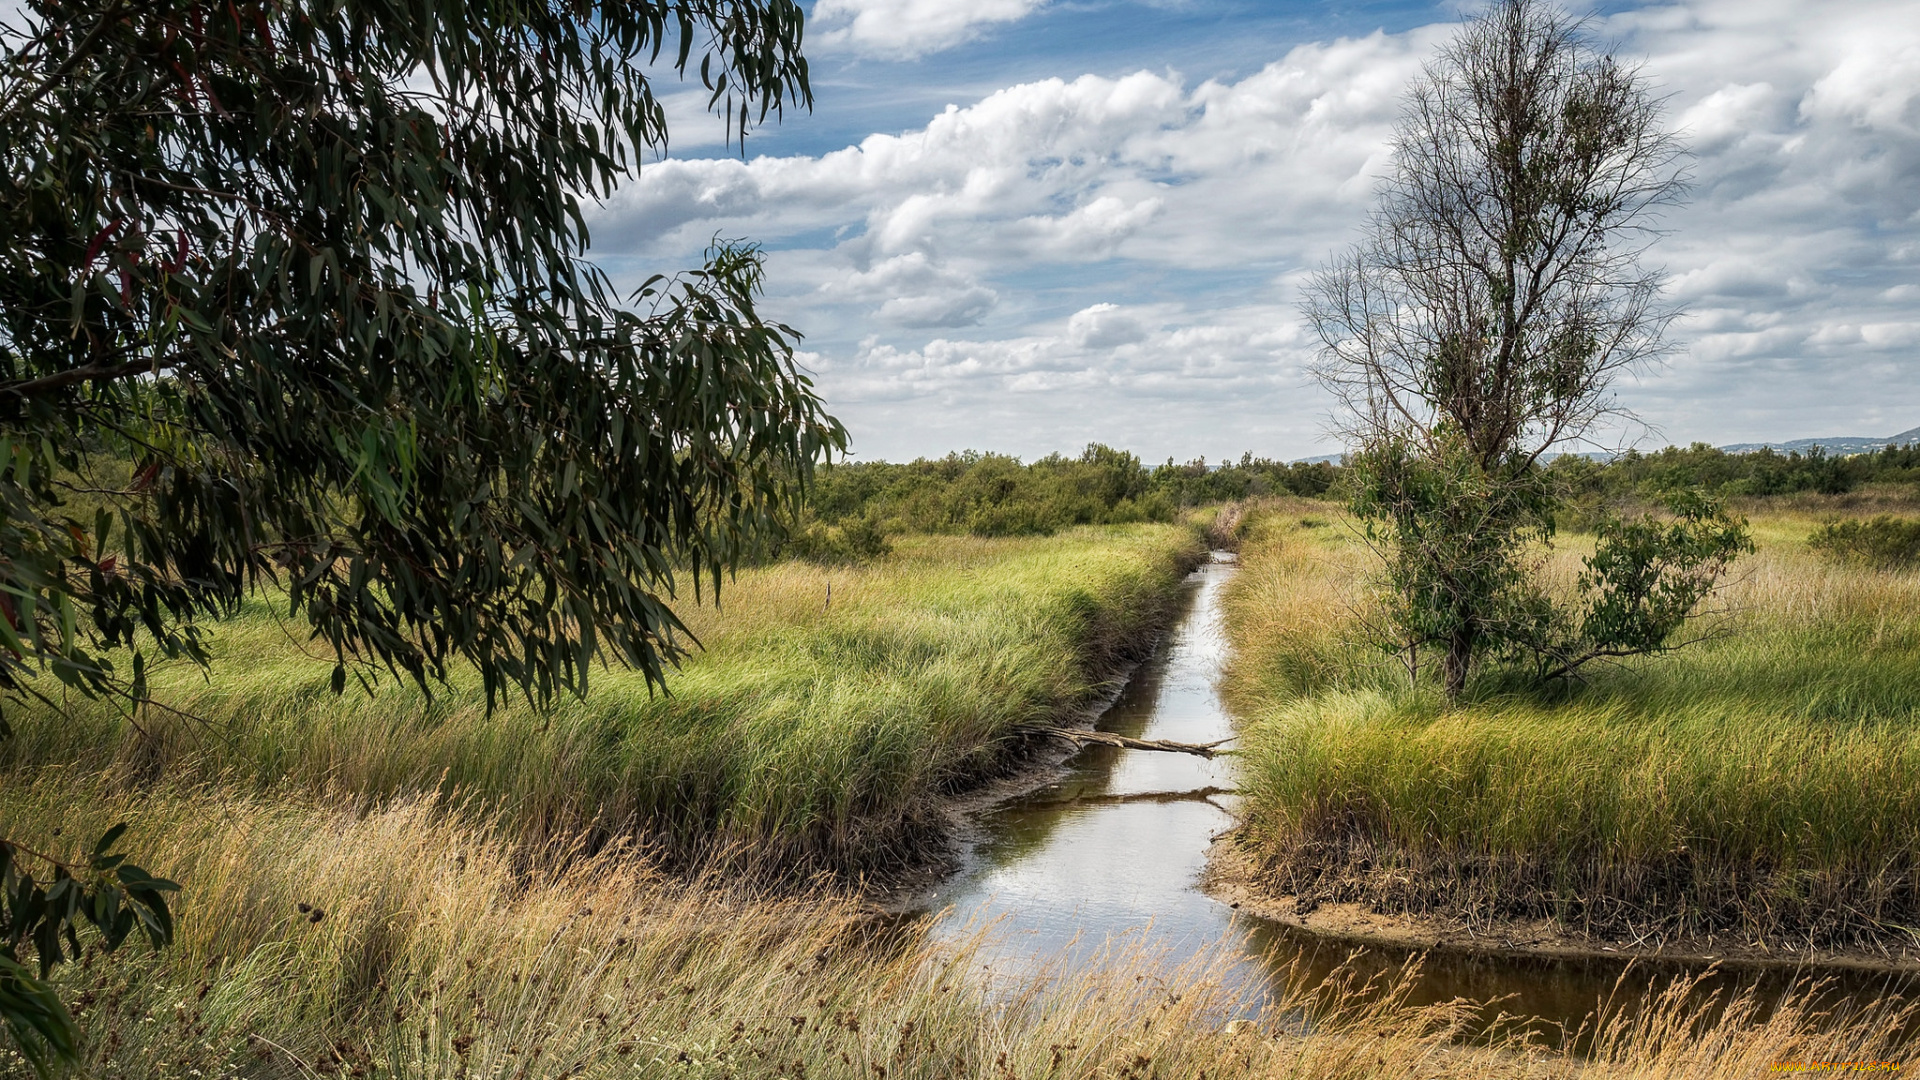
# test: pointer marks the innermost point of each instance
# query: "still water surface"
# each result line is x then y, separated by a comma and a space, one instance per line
1109, 856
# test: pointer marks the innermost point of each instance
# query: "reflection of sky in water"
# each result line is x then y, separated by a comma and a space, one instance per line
1069, 867
1110, 856
1120, 867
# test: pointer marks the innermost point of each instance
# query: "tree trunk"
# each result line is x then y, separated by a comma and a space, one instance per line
1459, 657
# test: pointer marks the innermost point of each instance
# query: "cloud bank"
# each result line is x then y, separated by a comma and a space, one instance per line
1119, 258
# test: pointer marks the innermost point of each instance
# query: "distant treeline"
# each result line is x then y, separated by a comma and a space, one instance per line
1758, 473
853, 505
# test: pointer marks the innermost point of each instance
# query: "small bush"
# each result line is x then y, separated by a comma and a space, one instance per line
855, 541
1885, 541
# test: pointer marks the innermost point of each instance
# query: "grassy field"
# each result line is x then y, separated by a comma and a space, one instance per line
387, 889
828, 712
323, 937
1762, 787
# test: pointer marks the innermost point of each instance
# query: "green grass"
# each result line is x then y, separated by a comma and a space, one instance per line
808, 730
1764, 785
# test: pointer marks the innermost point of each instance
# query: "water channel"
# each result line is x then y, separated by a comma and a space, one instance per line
1108, 856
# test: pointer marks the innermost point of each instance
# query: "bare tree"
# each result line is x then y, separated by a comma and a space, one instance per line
1501, 287
1499, 291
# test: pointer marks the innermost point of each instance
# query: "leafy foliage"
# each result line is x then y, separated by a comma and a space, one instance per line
854, 506
1654, 476
1456, 543
1647, 578
297, 294
1451, 536
1884, 541
319, 274
854, 540
40, 922
1196, 483
989, 494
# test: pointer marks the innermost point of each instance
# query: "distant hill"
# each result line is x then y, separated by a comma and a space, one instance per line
1838, 446
1848, 444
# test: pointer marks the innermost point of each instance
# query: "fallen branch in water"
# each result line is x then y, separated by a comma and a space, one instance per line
1205, 795
1108, 738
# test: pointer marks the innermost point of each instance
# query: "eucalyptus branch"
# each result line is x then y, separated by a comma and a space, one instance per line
41, 855
9, 112
93, 372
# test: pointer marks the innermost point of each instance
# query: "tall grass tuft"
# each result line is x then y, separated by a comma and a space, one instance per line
829, 712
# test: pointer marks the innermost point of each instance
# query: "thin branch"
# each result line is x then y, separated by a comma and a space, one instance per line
1108, 738
80, 52
70, 868
1569, 667
94, 372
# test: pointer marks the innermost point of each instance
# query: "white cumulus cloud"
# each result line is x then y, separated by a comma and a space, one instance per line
1104, 326
1120, 257
903, 29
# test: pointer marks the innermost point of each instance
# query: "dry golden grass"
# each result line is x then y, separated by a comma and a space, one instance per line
335, 927
429, 946
1296, 611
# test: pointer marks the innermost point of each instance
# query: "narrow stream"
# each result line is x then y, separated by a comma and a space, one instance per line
1109, 856
1114, 848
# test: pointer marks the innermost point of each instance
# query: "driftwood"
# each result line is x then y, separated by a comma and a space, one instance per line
1108, 738
1205, 795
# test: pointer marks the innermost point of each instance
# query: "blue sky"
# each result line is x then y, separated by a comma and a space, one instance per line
1024, 225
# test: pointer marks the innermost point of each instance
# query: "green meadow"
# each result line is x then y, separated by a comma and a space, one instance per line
390, 887
827, 712
1761, 786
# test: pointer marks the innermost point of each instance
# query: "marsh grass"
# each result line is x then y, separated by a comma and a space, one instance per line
828, 713
348, 910
1759, 788
332, 936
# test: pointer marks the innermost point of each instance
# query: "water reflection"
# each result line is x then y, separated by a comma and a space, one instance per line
1115, 847
1109, 857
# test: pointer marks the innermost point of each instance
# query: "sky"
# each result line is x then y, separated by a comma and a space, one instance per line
1028, 225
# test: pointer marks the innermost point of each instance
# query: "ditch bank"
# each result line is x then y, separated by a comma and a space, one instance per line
1234, 877
1121, 851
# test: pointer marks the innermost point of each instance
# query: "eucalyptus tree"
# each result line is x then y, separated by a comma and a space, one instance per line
1478, 328
297, 295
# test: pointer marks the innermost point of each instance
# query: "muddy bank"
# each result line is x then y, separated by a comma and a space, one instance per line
936, 842
1234, 877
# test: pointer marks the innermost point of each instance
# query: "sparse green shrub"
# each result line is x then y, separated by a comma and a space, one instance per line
866, 539
855, 541
1885, 541
1646, 579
